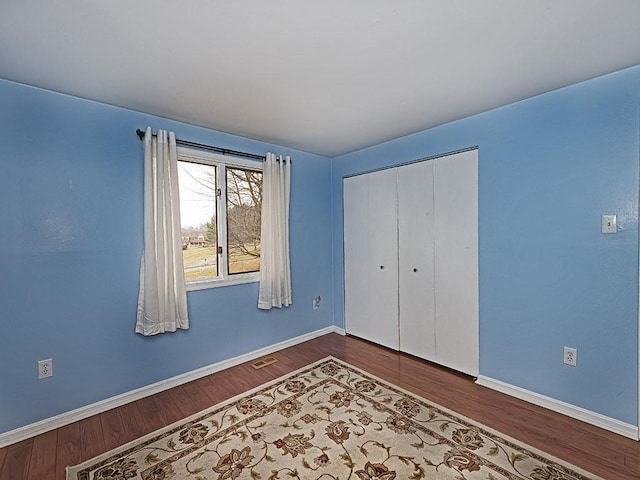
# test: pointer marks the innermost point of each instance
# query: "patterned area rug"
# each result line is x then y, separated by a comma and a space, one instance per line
329, 420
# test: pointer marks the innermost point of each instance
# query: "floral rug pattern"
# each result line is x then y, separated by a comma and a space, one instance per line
326, 421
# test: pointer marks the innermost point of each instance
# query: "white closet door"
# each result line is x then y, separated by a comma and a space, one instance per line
456, 260
356, 254
371, 257
416, 260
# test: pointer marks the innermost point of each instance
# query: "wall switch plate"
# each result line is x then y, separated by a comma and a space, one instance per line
571, 356
610, 223
45, 368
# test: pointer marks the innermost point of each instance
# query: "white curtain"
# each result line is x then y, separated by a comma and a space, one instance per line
275, 267
162, 299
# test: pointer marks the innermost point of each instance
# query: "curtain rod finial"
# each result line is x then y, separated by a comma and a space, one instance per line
140, 134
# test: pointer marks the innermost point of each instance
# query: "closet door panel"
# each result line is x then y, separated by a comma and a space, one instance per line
356, 255
456, 260
383, 218
371, 258
416, 260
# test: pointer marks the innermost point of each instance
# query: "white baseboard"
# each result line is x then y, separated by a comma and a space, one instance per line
602, 421
31, 430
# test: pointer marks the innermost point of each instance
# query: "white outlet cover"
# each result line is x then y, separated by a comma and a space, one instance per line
610, 223
45, 368
570, 356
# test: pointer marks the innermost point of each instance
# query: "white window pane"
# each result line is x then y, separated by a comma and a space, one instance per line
198, 220
244, 205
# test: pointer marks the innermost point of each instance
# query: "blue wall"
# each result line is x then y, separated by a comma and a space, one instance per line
70, 245
549, 167
71, 238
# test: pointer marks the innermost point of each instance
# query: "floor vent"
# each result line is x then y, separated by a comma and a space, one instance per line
263, 362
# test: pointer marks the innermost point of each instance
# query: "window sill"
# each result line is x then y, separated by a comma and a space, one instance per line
234, 280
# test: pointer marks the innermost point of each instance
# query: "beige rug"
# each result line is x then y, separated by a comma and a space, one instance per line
326, 421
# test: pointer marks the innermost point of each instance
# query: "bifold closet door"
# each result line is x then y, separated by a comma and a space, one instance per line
416, 260
456, 260
371, 257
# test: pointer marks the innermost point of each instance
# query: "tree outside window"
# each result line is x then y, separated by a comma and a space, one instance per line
220, 209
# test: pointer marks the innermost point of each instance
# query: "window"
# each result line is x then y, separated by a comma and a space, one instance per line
220, 208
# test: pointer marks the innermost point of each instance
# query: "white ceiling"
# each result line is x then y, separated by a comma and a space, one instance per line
327, 77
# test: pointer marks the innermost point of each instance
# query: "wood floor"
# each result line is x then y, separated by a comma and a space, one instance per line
606, 454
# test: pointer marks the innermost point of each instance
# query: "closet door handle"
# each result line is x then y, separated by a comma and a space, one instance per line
415, 269
381, 267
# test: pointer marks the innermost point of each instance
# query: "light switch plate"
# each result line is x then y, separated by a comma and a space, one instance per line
610, 223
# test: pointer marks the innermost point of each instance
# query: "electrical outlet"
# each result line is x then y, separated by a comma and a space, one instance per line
571, 356
45, 368
316, 302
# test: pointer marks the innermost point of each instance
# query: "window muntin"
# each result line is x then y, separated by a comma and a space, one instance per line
220, 203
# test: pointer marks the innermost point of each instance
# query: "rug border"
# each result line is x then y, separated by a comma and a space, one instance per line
125, 446
493, 431
72, 469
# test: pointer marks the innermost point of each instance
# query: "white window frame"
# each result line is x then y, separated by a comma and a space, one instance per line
221, 162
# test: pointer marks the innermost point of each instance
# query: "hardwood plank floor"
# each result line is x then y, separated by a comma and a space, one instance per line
43, 456
68, 450
599, 451
92, 441
16, 463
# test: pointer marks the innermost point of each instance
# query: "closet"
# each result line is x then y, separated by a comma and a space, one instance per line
411, 259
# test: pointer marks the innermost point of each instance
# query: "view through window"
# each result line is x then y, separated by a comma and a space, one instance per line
244, 207
220, 213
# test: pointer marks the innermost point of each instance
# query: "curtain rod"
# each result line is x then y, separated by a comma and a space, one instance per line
210, 148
